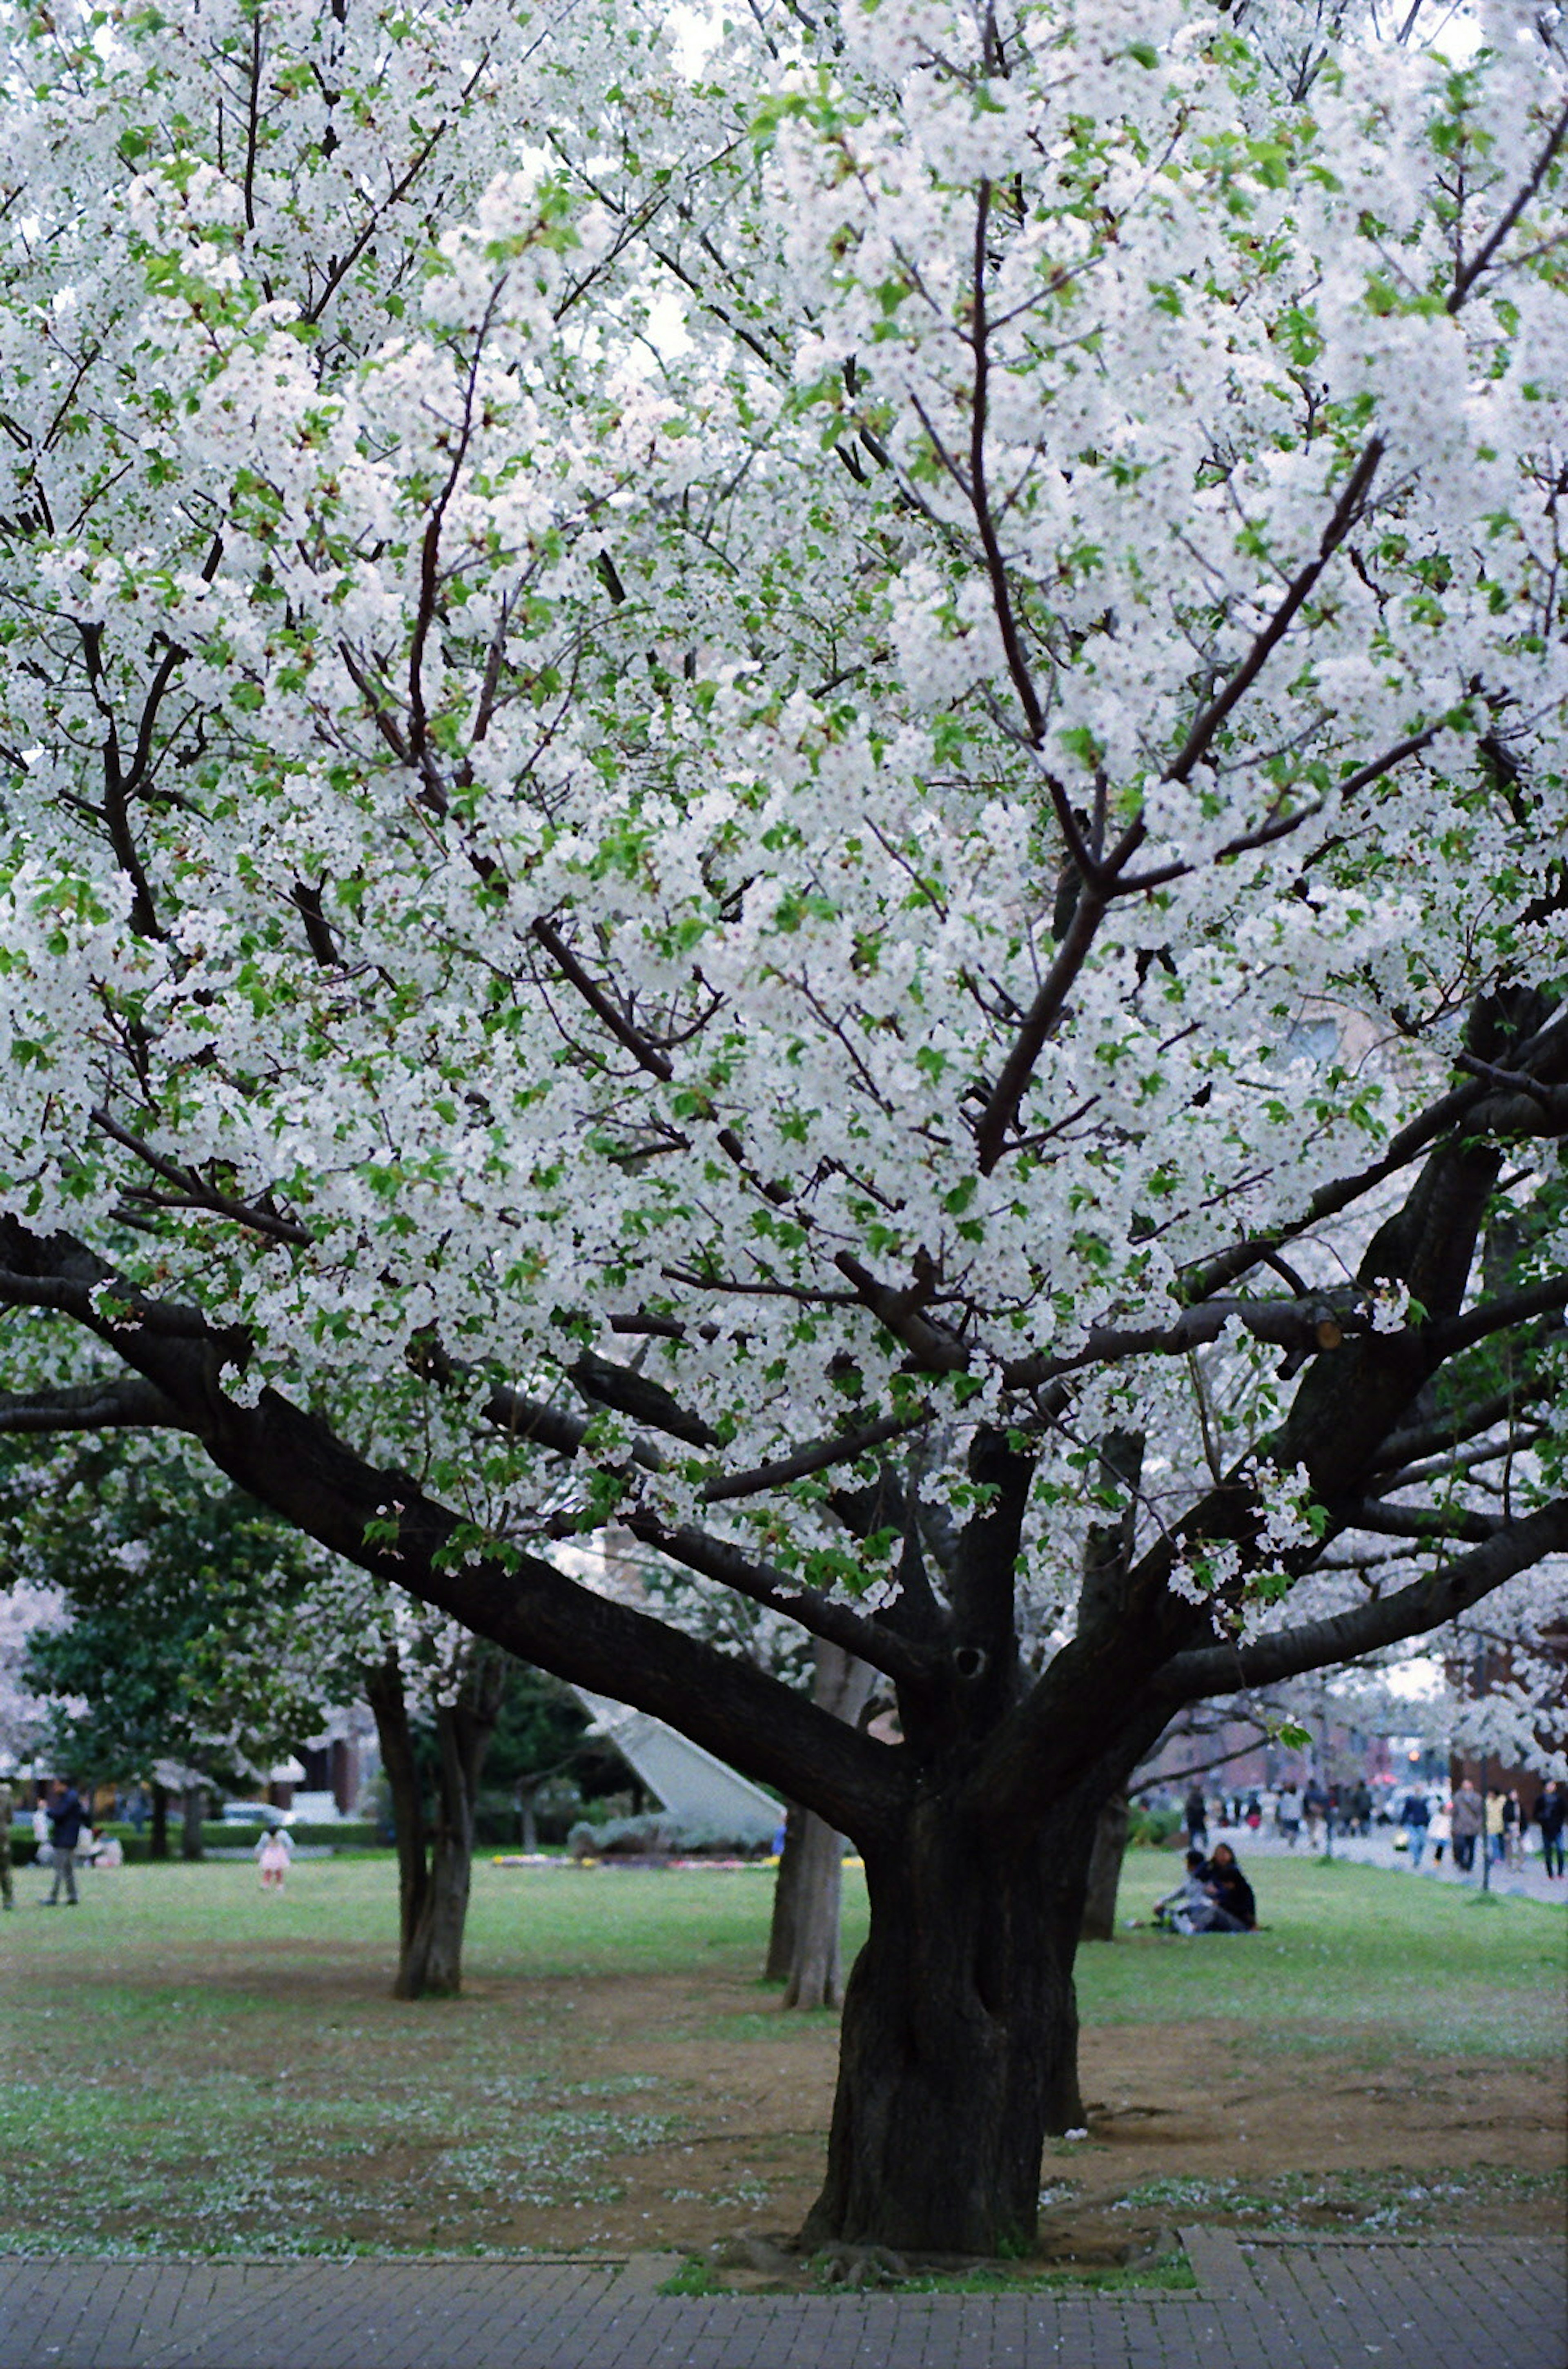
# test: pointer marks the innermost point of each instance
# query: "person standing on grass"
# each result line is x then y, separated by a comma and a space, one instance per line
7, 1812
66, 1819
1414, 1817
1469, 1817
274, 1851
1550, 1813
1194, 1816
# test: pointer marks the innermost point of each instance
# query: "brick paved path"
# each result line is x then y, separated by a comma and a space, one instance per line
1493, 2303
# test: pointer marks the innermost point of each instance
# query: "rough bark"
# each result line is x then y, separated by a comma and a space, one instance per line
1104, 1871
158, 1845
959, 2050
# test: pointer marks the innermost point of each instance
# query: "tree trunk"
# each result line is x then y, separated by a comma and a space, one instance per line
813, 1979
787, 1894
803, 1945
960, 2034
435, 1857
384, 1693
158, 1845
1105, 1870
191, 1808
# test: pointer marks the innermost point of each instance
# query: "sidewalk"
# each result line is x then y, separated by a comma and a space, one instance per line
1377, 1849
1454, 2304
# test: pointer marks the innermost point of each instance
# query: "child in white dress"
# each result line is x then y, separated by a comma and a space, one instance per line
274, 1851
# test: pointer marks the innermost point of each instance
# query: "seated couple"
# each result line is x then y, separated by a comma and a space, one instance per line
1215, 1897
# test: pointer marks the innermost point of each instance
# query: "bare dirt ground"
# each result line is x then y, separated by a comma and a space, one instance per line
1204, 2128
193, 2071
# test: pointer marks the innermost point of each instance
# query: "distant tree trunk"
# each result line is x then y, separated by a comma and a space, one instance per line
805, 1945
1104, 1871
435, 1857
389, 1706
786, 1889
192, 1808
527, 1817
158, 1845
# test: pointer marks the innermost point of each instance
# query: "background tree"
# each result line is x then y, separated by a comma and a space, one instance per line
192, 1629
725, 930
544, 1745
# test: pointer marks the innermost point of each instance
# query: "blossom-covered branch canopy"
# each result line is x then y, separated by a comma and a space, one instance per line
758, 778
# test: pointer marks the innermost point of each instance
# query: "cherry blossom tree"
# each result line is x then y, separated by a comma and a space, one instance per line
29, 1613
751, 778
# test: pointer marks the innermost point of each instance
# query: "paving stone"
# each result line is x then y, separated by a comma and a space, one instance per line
1315, 2303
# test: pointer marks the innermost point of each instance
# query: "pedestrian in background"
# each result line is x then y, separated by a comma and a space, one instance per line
1550, 1813
8, 1811
1315, 1809
1467, 1820
1440, 1833
66, 1819
1288, 1813
1194, 1816
1513, 1830
1495, 1835
1414, 1817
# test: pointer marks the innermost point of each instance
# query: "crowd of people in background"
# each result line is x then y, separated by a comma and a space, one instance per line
1457, 1827
1499, 1826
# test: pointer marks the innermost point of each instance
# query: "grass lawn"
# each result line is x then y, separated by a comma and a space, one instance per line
196, 2068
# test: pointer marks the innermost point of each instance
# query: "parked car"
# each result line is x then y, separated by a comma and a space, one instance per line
257, 1814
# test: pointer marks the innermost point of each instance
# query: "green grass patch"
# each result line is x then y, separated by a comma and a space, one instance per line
196, 2068
1174, 2275
1378, 1958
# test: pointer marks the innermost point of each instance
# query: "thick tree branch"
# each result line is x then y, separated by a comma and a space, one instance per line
823, 1616
1432, 1523
1475, 1108
382, 1520
126, 1403
1491, 1316
1411, 1611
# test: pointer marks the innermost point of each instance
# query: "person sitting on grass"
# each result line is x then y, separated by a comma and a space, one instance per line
1232, 1892
1189, 1908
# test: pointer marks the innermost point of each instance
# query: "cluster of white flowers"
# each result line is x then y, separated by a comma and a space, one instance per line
567, 826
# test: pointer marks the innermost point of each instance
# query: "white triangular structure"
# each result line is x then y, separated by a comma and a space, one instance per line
690, 1783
